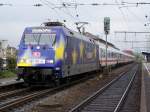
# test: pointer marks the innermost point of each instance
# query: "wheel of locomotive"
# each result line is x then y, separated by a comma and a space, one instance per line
27, 82
57, 82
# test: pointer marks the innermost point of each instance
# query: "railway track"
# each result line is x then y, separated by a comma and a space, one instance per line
11, 87
25, 95
111, 97
16, 98
14, 92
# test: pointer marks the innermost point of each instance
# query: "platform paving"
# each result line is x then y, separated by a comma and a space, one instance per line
8, 81
145, 89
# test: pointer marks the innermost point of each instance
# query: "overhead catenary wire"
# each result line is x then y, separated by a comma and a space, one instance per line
56, 6
45, 3
5, 4
134, 15
123, 4
77, 14
64, 6
74, 4
68, 12
21, 5
122, 13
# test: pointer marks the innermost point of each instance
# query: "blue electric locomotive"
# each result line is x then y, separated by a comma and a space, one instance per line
54, 52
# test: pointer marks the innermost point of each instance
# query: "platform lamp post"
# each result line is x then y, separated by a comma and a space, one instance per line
106, 30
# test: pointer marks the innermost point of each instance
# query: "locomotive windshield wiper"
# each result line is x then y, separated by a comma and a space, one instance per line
37, 38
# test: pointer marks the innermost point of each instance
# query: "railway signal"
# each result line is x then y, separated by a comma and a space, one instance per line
106, 30
106, 25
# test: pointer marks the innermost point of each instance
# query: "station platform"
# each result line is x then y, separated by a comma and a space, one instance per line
145, 88
9, 81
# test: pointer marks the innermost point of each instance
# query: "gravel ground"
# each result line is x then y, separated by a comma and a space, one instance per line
64, 100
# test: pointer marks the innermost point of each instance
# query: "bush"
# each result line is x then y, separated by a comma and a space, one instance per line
11, 64
6, 74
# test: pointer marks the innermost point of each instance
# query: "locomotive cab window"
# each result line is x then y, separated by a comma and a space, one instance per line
40, 39
47, 39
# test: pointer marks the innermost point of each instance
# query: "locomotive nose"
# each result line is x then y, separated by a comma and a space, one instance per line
37, 56
44, 55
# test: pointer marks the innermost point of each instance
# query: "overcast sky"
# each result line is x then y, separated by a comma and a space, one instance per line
22, 13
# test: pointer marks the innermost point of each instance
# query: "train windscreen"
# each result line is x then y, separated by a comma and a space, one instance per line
40, 39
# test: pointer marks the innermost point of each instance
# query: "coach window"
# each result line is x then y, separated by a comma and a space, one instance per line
103, 53
118, 56
108, 54
111, 54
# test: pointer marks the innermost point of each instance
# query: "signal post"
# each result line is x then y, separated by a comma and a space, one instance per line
106, 30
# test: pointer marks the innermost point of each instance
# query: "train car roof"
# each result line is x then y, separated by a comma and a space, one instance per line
97, 38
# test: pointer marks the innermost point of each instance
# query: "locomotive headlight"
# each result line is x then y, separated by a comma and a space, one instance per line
21, 60
27, 61
51, 61
57, 68
38, 47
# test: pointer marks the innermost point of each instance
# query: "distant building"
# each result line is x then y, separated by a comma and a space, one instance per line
6, 52
3, 48
11, 52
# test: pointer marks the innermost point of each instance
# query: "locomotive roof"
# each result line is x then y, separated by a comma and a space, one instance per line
68, 32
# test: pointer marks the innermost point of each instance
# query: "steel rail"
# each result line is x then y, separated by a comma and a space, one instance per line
31, 96
125, 93
92, 97
9, 93
100, 91
23, 99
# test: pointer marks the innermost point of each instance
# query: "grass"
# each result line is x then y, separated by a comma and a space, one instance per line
7, 74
